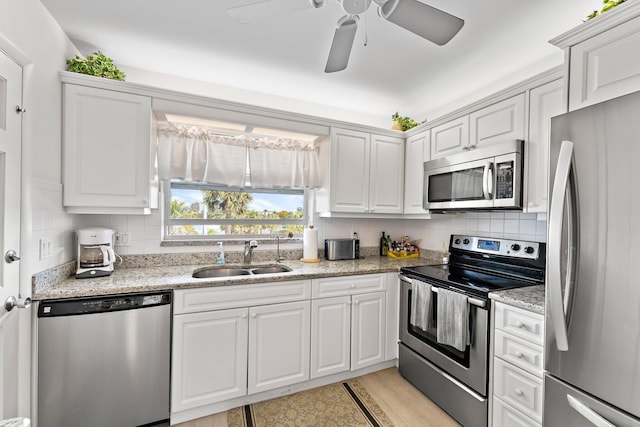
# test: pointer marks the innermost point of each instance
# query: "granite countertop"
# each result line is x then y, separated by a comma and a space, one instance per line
145, 279
529, 298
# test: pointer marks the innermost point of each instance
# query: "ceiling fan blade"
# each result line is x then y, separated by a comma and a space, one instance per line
426, 21
342, 43
269, 9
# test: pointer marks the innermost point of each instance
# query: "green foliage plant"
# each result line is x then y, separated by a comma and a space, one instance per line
97, 65
405, 123
608, 5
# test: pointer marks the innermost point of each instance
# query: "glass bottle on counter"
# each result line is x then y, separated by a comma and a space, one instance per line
384, 245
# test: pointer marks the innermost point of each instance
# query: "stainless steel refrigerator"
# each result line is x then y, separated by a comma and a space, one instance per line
592, 349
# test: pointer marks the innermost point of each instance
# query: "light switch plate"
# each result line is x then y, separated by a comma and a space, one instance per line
45, 248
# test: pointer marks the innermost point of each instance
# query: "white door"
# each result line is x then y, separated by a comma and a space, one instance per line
209, 357
10, 158
368, 329
279, 345
330, 336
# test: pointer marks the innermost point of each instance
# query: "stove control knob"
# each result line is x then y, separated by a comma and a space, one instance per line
515, 247
457, 241
465, 241
529, 250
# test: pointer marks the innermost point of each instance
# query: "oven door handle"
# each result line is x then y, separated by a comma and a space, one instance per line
473, 301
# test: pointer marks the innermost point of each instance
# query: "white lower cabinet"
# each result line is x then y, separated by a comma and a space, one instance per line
368, 329
278, 345
209, 358
234, 345
347, 333
517, 367
330, 336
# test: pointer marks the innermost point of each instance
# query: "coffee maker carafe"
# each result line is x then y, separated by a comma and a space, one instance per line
95, 252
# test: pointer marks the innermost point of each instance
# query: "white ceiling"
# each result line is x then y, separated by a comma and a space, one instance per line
286, 55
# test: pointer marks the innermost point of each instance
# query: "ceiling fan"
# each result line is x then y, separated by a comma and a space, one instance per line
426, 21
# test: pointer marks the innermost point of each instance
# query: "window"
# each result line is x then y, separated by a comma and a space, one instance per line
200, 211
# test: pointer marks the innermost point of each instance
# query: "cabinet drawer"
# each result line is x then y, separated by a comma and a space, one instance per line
519, 352
216, 298
521, 323
347, 285
505, 416
519, 389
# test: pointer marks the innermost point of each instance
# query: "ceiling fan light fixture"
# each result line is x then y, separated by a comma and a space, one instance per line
428, 22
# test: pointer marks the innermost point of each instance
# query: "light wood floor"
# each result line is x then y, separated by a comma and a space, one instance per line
403, 403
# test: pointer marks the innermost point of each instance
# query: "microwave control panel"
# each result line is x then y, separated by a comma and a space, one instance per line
504, 180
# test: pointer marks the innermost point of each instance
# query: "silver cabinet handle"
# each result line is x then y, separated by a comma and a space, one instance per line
556, 214
592, 416
518, 354
519, 392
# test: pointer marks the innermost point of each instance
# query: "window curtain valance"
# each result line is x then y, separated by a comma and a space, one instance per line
198, 154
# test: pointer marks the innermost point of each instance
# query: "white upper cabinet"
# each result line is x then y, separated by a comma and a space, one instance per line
417, 151
500, 122
450, 138
603, 56
545, 102
350, 170
107, 152
366, 173
386, 177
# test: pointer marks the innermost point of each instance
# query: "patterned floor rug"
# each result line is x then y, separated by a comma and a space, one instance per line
340, 404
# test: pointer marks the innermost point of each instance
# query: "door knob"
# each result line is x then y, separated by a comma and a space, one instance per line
11, 302
11, 256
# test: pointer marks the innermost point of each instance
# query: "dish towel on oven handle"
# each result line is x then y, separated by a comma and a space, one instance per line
420, 304
453, 319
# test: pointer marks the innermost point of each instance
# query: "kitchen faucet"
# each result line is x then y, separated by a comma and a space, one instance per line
249, 246
278, 257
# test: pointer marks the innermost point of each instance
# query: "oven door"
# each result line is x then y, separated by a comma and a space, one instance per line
469, 367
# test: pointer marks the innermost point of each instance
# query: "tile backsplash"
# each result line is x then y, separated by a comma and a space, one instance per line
145, 231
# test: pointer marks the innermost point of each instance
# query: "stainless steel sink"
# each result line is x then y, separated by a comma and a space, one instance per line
208, 272
216, 271
271, 269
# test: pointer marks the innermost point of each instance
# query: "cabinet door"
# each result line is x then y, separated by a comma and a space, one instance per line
368, 329
209, 358
417, 151
545, 102
350, 152
386, 179
330, 336
279, 345
500, 122
107, 150
605, 66
449, 138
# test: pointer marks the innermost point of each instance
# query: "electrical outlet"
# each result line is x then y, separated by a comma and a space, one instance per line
45, 248
123, 238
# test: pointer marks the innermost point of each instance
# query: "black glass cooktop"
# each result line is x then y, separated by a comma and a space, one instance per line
472, 281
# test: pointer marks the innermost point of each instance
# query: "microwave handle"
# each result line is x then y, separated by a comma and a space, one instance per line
487, 181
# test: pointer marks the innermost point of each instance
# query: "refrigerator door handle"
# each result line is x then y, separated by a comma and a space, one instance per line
556, 214
592, 416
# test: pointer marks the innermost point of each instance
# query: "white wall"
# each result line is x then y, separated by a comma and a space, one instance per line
30, 35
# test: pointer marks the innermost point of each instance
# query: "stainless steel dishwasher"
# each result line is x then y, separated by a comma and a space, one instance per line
104, 362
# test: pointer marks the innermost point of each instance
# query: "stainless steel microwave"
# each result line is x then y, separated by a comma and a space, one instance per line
482, 178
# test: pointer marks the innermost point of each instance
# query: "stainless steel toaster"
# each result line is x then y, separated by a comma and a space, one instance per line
335, 249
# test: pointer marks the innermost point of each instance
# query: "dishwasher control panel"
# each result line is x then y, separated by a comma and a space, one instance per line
77, 306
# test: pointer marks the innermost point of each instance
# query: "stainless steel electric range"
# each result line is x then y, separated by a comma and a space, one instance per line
455, 377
